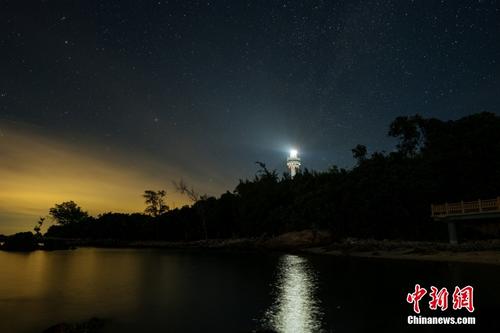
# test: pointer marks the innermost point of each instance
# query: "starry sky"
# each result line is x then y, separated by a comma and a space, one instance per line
100, 100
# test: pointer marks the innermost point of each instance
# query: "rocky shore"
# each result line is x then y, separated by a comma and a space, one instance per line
481, 252
93, 325
306, 241
309, 242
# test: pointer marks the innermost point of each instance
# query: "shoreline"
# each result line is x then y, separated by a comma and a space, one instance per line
474, 252
479, 252
307, 242
490, 257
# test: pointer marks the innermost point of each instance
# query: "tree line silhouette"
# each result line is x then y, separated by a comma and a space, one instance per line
384, 196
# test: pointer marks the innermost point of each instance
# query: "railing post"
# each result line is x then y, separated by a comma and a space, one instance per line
445, 208
462, 206
498, 203
452, 233
480, 208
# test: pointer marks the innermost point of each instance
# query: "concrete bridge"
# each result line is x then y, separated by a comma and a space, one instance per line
464, 210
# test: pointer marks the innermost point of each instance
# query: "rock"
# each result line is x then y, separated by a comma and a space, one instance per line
298, 239
59, 328
93, 325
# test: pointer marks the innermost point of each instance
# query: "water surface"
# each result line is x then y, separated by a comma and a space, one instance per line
177, 291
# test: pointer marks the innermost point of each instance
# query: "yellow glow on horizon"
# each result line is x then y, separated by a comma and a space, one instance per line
36, 172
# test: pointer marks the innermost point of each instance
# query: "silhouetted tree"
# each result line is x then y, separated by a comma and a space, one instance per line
38, 227
359, 153
197, 199
409, 132
68, 212
385, 195
264, 173
155, 201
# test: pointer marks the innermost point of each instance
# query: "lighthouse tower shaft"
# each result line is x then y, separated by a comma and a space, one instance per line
293, 163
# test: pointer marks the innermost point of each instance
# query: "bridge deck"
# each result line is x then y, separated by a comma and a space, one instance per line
465, 210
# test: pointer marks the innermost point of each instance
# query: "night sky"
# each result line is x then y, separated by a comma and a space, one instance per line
100, 100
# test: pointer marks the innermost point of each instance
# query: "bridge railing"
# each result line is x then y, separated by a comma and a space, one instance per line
465, 207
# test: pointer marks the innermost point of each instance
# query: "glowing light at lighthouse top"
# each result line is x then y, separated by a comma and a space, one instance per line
293, 162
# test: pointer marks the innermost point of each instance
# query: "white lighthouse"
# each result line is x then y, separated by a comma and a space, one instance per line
293, 162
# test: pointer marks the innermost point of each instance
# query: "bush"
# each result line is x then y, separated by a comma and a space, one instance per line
23, 241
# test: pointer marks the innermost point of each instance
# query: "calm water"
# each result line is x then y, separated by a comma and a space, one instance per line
168, 291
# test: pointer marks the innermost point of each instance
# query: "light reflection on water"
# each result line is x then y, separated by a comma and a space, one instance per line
295, 308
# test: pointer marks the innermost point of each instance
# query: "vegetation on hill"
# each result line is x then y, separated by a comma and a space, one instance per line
384, 196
